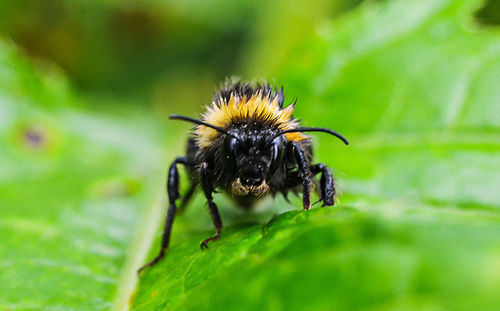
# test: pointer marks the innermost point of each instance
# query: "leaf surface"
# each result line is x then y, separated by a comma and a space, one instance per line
74, 187
413, 86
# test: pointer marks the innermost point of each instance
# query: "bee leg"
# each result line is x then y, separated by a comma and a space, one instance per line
173, 195
305, 174
326, 184
186, 198
206, 184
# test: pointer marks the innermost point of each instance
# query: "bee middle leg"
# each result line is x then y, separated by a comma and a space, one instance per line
208, 189
326, 184
305, 174
173, 195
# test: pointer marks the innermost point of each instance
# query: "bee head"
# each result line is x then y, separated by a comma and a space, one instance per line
253, 151
252, 158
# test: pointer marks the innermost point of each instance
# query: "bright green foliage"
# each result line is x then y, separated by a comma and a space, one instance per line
73, 187
413, 84
336, 259
416, 87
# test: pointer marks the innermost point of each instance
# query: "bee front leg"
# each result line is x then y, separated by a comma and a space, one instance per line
326, 184
173, 195
305, 174
208, 189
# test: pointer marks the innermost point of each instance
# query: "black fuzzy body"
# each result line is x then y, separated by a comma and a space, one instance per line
285, 179
250, 157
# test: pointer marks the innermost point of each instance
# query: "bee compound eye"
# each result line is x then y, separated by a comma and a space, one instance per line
230, 153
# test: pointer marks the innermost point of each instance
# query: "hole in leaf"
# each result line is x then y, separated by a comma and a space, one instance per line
34, 138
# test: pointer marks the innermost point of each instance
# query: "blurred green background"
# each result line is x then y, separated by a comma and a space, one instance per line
152, 49
85, 91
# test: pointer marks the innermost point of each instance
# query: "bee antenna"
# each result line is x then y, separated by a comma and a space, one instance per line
199, 122
313, 129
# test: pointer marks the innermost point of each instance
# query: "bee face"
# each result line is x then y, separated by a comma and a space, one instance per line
252, 159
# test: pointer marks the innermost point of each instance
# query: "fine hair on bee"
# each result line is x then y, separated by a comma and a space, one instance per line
248, 144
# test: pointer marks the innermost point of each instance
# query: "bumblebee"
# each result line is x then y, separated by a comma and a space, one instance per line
248, 144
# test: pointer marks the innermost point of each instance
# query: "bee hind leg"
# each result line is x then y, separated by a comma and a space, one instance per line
186, 198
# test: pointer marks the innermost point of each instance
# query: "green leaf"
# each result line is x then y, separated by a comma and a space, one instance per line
413, 84
415, 90
74, 187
